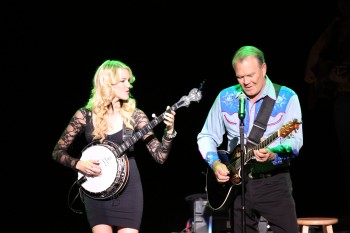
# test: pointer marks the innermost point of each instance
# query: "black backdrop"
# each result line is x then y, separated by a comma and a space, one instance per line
52, 51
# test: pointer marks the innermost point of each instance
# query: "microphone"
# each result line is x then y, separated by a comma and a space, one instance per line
241, 109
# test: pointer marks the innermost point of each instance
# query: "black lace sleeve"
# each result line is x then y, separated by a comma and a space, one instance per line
159, 150
75, 127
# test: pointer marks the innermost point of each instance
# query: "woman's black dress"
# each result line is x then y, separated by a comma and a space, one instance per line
124, 209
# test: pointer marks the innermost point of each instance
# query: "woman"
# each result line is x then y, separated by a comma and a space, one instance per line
109, 111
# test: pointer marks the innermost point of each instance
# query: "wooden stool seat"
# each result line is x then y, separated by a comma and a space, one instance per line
324, 222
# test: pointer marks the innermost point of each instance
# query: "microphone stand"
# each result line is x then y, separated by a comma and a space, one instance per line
242, 152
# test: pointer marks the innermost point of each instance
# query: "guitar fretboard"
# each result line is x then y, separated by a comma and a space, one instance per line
147, 128
283, 132
250, 152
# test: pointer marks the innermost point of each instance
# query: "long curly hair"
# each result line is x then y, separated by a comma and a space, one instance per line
102, 95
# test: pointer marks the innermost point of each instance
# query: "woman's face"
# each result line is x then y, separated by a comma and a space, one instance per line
122, 88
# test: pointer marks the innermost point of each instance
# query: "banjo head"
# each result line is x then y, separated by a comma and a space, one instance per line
114, 174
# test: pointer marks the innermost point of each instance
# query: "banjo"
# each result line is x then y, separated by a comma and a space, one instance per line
113, 162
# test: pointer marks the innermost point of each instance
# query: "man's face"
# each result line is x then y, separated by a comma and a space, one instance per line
250, 75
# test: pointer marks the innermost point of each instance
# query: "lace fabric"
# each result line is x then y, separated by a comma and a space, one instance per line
80, 123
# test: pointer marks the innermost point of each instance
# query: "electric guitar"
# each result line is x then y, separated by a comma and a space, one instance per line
220, 194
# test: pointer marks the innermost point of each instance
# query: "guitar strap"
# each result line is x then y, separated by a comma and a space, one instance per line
260, 122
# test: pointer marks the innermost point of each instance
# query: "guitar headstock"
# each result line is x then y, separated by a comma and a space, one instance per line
194, 95
289, 127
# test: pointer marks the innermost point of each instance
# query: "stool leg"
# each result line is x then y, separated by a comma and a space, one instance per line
327, 228
305, 229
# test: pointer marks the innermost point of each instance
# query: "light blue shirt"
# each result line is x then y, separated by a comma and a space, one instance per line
223, 120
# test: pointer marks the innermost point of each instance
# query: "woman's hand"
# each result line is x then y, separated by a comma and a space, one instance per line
169, 120
89, 168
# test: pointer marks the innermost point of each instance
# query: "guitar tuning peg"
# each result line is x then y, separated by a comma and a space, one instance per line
153, 115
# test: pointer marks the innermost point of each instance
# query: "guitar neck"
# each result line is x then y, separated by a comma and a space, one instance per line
250, 152
194, 95
263, 144
147, 128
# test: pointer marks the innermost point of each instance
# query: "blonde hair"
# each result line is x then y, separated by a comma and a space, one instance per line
101, 97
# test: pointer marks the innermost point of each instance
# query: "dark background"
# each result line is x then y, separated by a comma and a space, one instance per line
53, 49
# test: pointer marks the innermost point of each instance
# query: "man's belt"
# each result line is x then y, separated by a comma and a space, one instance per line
273, 172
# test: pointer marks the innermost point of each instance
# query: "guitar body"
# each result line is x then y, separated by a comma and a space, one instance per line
221, 195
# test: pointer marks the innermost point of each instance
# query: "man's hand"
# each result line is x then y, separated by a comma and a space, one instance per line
263, 155
221, 172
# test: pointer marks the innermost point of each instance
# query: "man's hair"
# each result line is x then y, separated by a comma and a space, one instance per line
246, 51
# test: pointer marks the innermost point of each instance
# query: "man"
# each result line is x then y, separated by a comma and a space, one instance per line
268, 185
